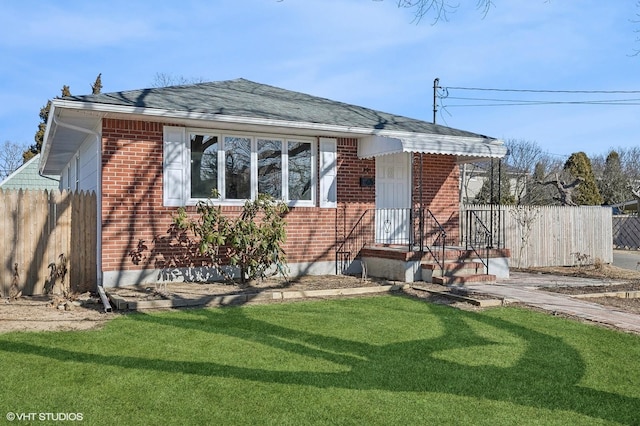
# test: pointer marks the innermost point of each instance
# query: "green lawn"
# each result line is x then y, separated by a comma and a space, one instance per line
378, 360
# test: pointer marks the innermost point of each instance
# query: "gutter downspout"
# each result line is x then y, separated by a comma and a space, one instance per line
100, 288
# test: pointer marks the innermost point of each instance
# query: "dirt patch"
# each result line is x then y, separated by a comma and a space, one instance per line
49, 313
588, 271
628, 286
44, 313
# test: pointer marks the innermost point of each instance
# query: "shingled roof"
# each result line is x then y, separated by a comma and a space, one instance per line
244, 98
243, 105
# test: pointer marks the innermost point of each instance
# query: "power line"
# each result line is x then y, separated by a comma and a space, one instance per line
499, 102
537, 103
542, 90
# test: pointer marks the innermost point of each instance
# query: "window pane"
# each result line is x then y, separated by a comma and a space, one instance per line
270, 167
299, 171
204, 165
237, 161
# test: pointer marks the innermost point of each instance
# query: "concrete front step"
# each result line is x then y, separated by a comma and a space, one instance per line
450, 268
463, 279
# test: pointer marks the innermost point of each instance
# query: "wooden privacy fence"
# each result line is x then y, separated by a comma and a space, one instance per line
626, 232
554, 235
48, 241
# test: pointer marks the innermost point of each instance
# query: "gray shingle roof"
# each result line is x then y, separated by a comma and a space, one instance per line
244, 98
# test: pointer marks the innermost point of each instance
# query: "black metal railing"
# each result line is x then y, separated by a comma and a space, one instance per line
430, 236
483, 231
393, 227
362, 233
491, 217
416, 229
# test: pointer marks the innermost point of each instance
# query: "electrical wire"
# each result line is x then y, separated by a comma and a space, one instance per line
544, 91
496, 102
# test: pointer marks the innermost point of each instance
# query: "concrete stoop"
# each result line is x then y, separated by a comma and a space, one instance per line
461, 266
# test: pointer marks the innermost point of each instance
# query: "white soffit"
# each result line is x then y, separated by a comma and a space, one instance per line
465, 148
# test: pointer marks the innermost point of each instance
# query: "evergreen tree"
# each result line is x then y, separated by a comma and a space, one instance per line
96, 87
586, 193
613, 184
501, 186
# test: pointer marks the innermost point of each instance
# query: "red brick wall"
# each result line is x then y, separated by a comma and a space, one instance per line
440, 191
136, 227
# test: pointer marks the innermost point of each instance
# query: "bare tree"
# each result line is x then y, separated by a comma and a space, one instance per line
564, 189
636, 21
10, 158
439, 9
165, 80
522, 159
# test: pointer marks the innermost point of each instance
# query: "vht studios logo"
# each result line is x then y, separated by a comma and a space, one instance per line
53, 417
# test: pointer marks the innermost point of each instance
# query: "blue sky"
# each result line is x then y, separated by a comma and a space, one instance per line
364, 52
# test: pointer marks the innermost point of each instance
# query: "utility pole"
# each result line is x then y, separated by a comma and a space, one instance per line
435, 98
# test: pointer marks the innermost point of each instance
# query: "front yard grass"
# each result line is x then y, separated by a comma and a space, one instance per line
375, 360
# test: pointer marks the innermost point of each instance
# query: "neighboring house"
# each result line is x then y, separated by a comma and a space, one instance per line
148, 152
27, 177
626, 207
474, 175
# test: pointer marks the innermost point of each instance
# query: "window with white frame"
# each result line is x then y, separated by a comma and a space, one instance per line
240, 166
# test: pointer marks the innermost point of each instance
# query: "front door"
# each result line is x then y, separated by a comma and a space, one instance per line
393, 198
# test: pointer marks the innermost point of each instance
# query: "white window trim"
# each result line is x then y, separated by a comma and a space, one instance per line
328, 151
190, 201
77, 167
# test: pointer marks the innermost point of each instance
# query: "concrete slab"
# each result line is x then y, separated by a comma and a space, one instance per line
560, 303
627, 259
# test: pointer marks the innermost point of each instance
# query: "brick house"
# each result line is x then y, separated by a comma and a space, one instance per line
338, 166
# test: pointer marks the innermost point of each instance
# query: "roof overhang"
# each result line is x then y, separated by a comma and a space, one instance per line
71, 123
69, 128
466, 149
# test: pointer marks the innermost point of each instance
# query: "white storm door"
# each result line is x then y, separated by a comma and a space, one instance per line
393, 198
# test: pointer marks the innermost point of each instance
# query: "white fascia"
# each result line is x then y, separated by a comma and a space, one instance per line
347, 131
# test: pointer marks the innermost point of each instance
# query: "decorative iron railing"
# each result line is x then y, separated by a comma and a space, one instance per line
433, 237
483, 231
362, 233
491, 218
417, 229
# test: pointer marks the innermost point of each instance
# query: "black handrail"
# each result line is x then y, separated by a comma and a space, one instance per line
354, 242
478, 234
427, 233
435, 236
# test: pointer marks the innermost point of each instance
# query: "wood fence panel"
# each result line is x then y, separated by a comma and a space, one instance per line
626, 232
43, 231
555, 235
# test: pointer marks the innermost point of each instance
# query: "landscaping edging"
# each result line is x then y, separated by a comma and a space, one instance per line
618, 294
483, 303
122, 303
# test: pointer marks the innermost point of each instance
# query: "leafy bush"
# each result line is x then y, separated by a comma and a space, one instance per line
252, 241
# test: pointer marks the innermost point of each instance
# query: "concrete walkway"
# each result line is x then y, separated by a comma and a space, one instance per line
521, 287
